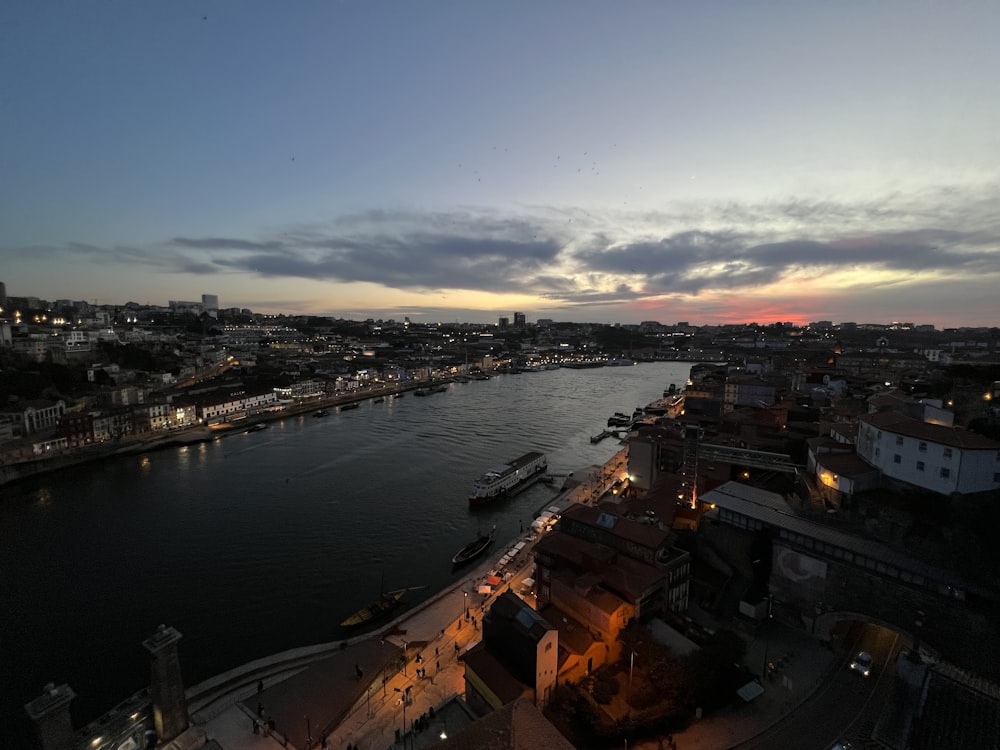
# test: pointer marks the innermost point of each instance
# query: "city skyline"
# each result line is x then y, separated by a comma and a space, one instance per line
579, 162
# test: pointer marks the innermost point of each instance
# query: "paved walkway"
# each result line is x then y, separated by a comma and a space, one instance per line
438, 632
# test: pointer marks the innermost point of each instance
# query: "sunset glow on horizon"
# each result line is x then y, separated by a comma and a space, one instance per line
451, 161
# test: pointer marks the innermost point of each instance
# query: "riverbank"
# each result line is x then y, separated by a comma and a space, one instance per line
136, 443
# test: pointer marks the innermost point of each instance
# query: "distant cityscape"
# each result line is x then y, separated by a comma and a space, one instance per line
845, 476
123, 371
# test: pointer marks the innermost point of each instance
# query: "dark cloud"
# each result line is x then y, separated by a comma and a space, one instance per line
600, 260
415, 261
225, 243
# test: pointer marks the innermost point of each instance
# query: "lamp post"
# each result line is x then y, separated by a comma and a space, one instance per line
918, 623
466, 605
631, 663
404, 694
767, 635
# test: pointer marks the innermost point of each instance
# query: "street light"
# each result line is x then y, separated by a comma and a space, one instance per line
466, 605
631, 663
404, 695
767, 635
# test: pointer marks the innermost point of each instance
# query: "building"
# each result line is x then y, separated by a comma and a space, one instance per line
517, 657
29, 417
941, 459
516, 726
210, 304
78, 428
234, 404
519, 321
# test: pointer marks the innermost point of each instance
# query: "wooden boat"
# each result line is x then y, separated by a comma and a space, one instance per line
474, 549
373, 612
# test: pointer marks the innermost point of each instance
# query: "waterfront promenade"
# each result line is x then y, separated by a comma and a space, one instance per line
318, 697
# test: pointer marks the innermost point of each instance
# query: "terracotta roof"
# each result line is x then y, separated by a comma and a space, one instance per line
845, 464
574, 636
847, 429
625, 576
932, 433
959, 712
516, 726
624, 528
491, 670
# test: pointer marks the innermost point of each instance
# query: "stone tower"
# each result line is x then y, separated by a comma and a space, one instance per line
50, 712
170, 714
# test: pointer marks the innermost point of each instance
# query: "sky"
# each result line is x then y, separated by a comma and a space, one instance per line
607, 162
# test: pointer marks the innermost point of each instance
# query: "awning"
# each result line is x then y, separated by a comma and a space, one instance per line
492, 580
485, 589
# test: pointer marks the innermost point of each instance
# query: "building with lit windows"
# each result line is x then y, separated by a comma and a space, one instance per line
941, 459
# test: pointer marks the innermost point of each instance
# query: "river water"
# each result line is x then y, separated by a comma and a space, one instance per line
259, 542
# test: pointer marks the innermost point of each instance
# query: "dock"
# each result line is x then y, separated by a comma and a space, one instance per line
608, 433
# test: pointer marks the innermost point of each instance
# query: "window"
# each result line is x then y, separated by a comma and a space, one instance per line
945, 472
897, 459
947, 452
922, 447
899, 439
920, 465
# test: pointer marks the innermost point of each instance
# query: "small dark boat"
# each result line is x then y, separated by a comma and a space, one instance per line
378, 400
474, 549
375, 611
321, 413
353, 405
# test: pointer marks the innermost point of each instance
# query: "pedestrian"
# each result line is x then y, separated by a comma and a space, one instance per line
260, 686
260, 709
456, 648
435, 651
438, 665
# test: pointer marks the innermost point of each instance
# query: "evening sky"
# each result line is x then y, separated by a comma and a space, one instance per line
588, 161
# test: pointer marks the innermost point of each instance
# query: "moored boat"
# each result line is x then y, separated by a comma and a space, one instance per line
321, 413
508, 479
474, 549
352, 405
386, 604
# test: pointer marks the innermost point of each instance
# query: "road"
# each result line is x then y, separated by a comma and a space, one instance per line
847, 705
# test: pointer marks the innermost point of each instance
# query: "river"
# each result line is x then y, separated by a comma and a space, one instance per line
258, 542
